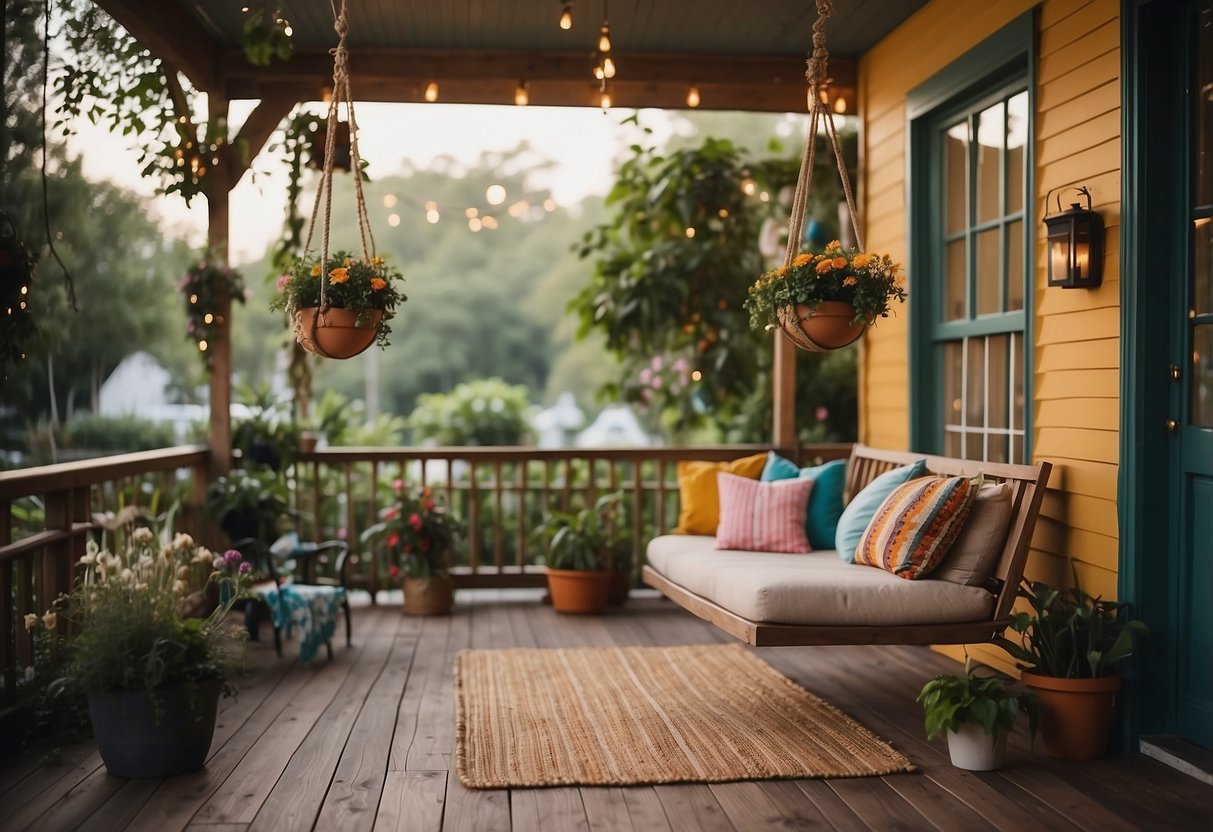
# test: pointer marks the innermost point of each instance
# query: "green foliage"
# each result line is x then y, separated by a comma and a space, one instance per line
949, 702
1071, 634
248, 504
264, 35
596, 537
267, 436
128, 616
204, 285
115, 433
867, 281
480, 412
416, 531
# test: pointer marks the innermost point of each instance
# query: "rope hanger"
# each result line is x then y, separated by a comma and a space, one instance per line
820, 114
341, 92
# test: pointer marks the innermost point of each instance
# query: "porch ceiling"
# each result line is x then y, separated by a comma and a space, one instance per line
743, 56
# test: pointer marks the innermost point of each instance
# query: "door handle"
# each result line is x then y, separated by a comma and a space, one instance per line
1172, 425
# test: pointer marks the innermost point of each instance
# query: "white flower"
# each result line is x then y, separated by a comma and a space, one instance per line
140, 587
89, 559
183, 542
183, 572
142, 535
179, 587
203, 556
126, 575
31, 621
50, 619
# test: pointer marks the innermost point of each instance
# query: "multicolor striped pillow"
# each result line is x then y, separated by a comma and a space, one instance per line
916, 525
762, 516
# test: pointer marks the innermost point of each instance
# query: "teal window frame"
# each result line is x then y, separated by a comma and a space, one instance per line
998, 67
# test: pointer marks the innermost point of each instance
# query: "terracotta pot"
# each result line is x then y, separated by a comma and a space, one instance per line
1075, 714
827, 326
434, 595
620, 586
337, 333
578, 591
972, 749
308, 440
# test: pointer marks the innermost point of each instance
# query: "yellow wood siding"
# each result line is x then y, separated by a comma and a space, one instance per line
1076, 337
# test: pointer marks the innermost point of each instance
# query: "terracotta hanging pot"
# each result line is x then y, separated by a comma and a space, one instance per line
828, 326
434, 595
341, 148
579, 591
1075, 714
337, 333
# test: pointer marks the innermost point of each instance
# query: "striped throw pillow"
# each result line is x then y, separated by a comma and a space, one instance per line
916, 525
762, 516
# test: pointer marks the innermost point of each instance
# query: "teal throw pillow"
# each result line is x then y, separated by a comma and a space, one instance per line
862, 508
825, 500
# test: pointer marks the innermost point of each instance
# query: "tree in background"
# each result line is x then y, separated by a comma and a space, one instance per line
481, 412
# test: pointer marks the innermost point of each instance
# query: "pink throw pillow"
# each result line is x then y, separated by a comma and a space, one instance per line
762, 516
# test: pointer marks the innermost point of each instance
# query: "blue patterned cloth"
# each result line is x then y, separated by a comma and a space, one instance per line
313, 609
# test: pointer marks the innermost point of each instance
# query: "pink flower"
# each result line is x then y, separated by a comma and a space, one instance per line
393, 540
398, 485
391, 513
427, 505
245, 568
415, 521
822, 413
232, 556
283, 280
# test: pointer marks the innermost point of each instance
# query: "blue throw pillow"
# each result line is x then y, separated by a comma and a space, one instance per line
862, 508
825, 501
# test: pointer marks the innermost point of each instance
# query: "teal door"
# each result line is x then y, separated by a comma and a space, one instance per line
1191, 371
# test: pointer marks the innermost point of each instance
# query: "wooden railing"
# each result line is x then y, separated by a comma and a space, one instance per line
47, 513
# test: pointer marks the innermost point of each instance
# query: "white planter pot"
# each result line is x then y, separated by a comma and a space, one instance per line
973, 749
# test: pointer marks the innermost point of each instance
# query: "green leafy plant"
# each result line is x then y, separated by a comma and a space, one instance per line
417, 531
350, 283
867, 281
248, 504
951, 701
1071, 634
127, 614
478, 412
589, 540
267, 436
266, 35
202, 287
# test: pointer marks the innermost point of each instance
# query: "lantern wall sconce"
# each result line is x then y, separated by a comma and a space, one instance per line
1075, 239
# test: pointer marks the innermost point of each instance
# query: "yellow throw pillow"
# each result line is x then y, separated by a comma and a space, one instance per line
699, 507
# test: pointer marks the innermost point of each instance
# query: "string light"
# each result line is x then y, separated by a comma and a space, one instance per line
521, 97
494, 195
431, 92
693, 96
389, 201
840, 105
566, 17
604, 37
604, 99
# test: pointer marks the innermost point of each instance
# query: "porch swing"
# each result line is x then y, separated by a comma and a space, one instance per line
776, 599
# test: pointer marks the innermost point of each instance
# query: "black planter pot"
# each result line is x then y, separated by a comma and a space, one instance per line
264, 453
167, 732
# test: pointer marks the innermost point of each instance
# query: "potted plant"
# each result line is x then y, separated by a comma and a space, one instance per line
417, 532
580, 553
976, 713
248, 504
359, 298
1071, 648
152, 674
267, 436
824, 301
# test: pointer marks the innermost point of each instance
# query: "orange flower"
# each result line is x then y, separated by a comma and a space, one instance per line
346, 262
861, 261
825, 266
315, 271
781, 271
834, 246
338, 275
378, 283
840, 262
850, 280
801, 259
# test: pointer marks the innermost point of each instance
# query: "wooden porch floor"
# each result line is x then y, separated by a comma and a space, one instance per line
367, 741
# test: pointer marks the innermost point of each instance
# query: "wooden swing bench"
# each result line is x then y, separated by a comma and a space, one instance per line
834, 602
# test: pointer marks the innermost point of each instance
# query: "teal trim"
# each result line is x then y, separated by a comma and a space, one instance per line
1153, 199
1000, 65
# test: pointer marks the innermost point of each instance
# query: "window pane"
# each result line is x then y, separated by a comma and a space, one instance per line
956, 177
991, 136
953, 378
989, 261
1015, 273
975, 378
955, 302
1018, 372
951, 444
974, 446
1203, 168
1017, 449
1202, 376
1202, 265
1017, 139
998, 448
998, 392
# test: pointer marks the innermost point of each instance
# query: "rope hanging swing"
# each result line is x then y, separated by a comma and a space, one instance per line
352, 330
788, 318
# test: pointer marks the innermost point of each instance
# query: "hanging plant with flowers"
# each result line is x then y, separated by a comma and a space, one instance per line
203, 288
868, 282
368, 287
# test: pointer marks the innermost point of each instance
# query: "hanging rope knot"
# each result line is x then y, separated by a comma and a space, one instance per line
819, 60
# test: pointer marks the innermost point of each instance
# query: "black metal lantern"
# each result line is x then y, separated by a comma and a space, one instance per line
1075, 245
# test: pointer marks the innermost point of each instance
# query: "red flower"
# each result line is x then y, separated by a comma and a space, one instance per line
424, 543
392, 540
391, 513
428, 505
393, 570
407, 549
415, 521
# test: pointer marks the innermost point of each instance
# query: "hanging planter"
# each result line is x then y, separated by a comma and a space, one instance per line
339, 304
341, 148
823, 301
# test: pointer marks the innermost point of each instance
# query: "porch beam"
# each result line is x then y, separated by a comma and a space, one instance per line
258, 127
171, 36
218, 195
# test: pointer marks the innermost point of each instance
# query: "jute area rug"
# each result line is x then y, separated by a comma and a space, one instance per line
635, 715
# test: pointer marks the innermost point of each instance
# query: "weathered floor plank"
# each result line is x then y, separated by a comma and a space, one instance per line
367, 742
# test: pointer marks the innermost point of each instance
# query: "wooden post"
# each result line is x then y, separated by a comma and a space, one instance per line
218, 187
783, 380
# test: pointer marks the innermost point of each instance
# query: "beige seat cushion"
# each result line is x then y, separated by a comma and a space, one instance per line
814, 588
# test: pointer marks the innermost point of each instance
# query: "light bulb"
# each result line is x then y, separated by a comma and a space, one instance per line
566, 17
608, 67
431, 92
840, 105
605, 101
604, 37
521, 97
693, 97
599, 73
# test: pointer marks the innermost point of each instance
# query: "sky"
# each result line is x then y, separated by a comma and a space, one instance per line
584, 143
